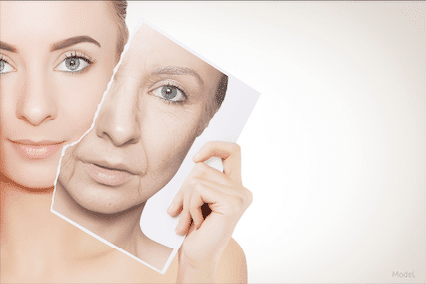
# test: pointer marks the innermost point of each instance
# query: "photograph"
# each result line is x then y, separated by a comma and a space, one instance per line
319, 177
162, 98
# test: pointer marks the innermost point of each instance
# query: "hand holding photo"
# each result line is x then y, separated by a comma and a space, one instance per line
161, 99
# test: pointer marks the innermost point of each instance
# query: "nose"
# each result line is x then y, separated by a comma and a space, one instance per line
36, 103
118, 118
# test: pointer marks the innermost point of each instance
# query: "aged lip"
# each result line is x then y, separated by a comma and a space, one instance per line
36, 150
107, 175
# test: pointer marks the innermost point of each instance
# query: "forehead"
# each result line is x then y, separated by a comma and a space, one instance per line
34, 22
151, 51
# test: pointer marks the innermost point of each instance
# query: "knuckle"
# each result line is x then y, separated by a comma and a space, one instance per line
210, 144
193, 211
198, 187
236, 206
185, 215
192, 182
236, 148
249, 197
199, 169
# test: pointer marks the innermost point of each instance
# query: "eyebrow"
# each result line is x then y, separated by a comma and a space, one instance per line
72, 41
174, 70
7, 47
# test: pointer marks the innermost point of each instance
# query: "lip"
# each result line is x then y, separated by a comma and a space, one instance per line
36, 150
107, 175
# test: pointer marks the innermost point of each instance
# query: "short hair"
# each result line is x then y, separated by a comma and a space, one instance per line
221, 91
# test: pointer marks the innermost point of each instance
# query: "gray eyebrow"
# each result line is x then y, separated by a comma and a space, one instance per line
7, 47
73, 40
174, 70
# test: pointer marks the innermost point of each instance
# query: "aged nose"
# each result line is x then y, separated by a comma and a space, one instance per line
118, 118
36, 103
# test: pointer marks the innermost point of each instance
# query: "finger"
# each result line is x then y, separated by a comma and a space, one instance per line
184, 223
185, 216
191, 228
224, 202
221, 184
178, 201
230, 154
201, 172
177, 204
195, 208
217, 199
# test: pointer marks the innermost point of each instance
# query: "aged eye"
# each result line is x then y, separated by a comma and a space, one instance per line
170, 93
74, 64
5, 67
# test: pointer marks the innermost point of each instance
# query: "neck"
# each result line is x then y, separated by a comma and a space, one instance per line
120, 229
30, 231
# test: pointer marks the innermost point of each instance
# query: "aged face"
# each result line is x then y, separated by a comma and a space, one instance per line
160, 101
56, 60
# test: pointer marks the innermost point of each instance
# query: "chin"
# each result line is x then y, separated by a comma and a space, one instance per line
31, 175
36, 180
107, 210
110, 212
99, 200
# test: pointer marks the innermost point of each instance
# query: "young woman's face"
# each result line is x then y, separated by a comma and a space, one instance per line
56, 60
160, 101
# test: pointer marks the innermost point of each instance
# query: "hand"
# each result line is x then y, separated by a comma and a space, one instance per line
226, 197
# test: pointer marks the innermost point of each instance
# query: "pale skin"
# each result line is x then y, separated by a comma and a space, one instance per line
37, 246
132, 110
42, 99
202, 251
66, 254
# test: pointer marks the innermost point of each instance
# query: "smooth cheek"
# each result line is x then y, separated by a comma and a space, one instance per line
23, 172
8, 101
77, 98
30, 175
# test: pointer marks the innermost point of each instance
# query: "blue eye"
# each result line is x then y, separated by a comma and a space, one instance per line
74, 64
170, 93
5, 67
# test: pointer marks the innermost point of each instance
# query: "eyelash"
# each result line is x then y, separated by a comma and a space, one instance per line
5, 59
78, 55
70, 55
173, 85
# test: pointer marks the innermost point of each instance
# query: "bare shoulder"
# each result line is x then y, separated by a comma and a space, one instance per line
232, 266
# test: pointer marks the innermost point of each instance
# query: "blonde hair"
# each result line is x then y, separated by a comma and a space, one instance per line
120, 11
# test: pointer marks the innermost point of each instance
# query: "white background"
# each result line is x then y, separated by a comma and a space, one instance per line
334, 151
